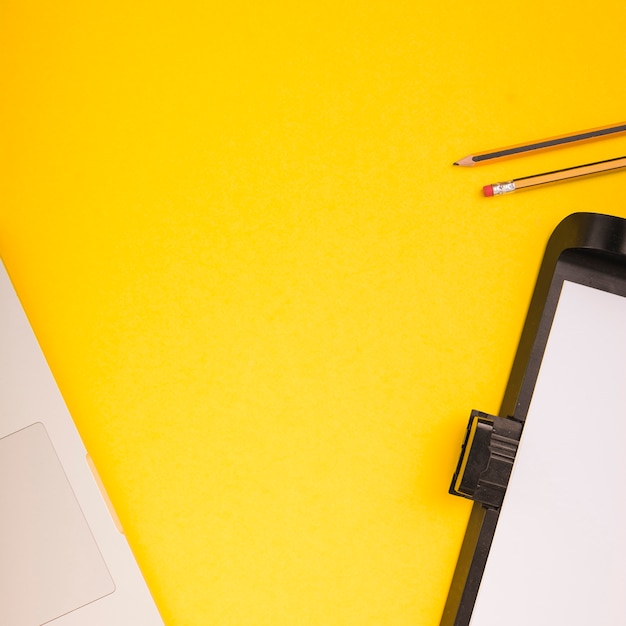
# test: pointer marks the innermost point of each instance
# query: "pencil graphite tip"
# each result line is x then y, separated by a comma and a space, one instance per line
467, 161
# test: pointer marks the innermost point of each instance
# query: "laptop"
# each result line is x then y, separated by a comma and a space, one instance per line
64, 558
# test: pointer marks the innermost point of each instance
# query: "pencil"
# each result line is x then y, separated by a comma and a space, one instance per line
610, 165
543, 144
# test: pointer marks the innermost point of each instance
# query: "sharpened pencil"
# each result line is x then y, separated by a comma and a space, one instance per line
610, 165
522, 149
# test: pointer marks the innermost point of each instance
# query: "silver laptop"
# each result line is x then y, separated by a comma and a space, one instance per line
63, 557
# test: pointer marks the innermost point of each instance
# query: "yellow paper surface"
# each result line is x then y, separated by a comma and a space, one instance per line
267, 295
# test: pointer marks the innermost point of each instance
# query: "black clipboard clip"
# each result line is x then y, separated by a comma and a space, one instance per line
484, 468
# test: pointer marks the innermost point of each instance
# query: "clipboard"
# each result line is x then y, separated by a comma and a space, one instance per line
546, 538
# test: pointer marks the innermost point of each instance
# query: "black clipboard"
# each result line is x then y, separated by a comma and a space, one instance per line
549, 453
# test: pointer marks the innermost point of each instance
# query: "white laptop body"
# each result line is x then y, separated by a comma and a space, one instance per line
63, 559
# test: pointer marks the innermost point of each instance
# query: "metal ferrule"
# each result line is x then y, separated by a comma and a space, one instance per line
502, 188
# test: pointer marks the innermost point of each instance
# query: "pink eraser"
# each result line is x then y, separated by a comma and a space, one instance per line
488, 190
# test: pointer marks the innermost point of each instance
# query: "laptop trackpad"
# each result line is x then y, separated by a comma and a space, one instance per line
50, 563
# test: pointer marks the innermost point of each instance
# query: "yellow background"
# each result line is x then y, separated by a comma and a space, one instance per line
267, 295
